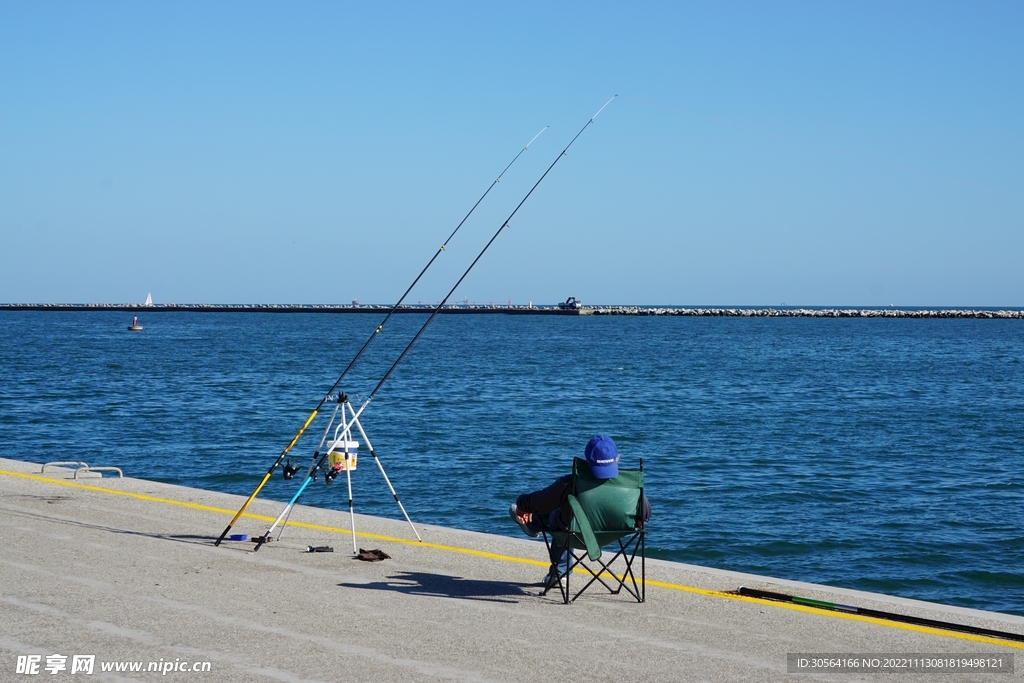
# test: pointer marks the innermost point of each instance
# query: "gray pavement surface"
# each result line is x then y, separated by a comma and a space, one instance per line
85, 569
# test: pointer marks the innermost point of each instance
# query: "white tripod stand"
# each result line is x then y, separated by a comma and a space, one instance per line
342, 456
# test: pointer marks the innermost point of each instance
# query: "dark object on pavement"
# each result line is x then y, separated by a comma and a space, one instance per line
372, 555
319, 549
877, 614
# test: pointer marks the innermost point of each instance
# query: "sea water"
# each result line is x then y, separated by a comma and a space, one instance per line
884, 455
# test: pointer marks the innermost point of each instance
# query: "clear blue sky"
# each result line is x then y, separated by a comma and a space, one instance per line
759, 153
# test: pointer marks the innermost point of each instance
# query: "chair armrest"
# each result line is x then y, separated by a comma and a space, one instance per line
593, 549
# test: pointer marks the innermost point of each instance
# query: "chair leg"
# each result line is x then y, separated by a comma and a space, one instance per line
628, 552
570, 564
643, 565
628, 558
596, 576
638, 543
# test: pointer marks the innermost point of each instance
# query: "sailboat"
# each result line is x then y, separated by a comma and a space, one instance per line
149, 300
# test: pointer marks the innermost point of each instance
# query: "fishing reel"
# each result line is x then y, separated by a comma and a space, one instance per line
330, 475
290, 470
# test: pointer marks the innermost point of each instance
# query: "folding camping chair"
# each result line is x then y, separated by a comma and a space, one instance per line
604, 512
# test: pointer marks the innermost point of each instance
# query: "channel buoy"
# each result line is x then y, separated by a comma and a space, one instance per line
135, 326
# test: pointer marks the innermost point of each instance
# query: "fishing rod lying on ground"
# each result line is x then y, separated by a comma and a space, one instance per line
359, 353
355, 416
878, 614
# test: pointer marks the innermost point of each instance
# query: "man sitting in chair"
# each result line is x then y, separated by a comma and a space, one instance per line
548, 509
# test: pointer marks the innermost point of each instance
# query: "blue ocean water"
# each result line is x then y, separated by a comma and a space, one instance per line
885, 455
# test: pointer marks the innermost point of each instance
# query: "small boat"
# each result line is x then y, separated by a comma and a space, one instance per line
135, 326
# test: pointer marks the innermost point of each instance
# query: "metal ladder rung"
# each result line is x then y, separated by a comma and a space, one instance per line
120, 474
58, 463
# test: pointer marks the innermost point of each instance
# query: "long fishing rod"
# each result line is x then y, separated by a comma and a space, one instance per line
359, 353
355, 417
879, 614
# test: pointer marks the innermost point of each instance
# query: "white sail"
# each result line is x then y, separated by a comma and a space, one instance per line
149, 300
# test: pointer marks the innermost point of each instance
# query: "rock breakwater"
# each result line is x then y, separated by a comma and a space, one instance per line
810, 312
512, 309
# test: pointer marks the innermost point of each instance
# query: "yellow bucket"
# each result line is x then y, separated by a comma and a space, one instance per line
338, 461
336, 454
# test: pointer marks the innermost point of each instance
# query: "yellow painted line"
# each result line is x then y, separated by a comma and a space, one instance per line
840, 615
128, 494
520, 560
303, 525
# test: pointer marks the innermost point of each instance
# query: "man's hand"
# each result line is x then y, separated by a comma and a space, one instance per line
524, 517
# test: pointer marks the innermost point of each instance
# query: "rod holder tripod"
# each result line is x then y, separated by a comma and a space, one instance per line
341, 455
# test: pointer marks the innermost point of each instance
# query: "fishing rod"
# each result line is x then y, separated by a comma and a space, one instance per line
878, 614
327, 396
355, 417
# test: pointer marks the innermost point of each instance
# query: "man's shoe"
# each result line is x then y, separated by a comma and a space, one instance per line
552, 580
512, 509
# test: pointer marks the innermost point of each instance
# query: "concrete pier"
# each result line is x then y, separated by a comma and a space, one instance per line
126, 570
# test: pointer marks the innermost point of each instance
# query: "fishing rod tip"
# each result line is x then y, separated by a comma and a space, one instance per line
603, 107
534, 138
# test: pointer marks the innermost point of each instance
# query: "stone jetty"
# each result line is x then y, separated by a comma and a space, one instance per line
516, 309
808, 312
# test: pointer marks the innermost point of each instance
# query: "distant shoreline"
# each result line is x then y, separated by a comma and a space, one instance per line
512, 309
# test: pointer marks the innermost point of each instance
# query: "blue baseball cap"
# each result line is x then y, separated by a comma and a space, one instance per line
603, 457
